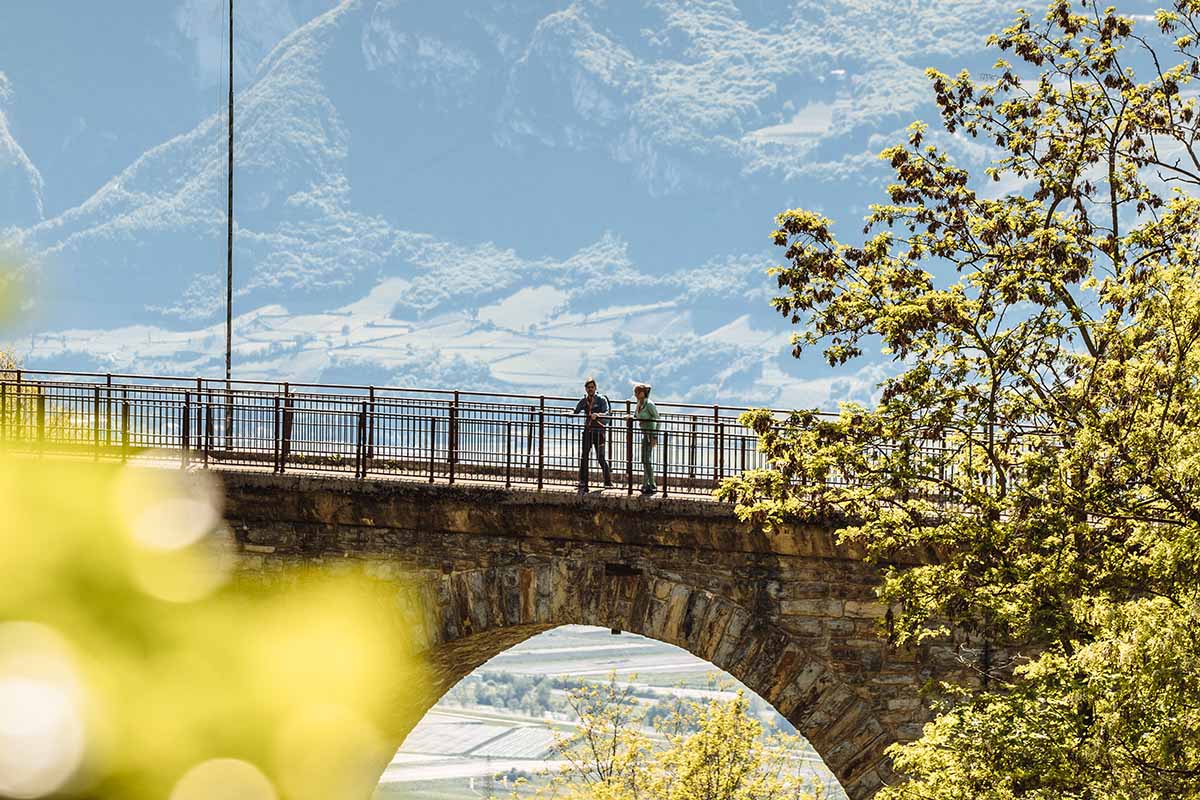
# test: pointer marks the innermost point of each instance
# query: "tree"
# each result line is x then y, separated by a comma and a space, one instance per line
1040, 429
701, 751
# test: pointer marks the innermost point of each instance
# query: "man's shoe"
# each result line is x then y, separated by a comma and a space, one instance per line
608, 484
647, 492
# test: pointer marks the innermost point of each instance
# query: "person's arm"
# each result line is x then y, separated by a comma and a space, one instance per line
579, 406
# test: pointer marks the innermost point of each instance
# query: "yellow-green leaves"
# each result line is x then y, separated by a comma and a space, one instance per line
1038, 432
135, 663
714, 750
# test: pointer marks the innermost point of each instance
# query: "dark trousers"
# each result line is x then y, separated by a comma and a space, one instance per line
593, 437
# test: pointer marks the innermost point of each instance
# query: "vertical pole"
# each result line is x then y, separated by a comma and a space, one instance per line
541, 441
665, 462
628, 455
742, 440
4, 411
507, 455
186, 432
229, 246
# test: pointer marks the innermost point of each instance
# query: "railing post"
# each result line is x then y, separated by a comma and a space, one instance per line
720, 451
665, 462
628, 455
541, 441
432, 443
276, 435
124, 428
529, 440
107, 410
360, 450
228, 418
208, 429
18, 409
286, 445
718, 465
507, 455
95, 423
4, 411
692, 450
186, 433
41, 416
371, 425
452, 438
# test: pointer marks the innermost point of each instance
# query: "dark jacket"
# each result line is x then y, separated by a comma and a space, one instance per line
599, 406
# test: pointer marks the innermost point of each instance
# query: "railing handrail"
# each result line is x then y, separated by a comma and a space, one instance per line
276, 387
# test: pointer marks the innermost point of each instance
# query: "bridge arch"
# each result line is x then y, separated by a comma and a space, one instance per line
478, 614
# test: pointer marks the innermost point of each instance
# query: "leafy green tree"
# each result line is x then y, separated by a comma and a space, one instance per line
700, 751
1041, 428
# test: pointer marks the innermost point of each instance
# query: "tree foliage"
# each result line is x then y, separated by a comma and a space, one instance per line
135, 664
1040, 432
702, 751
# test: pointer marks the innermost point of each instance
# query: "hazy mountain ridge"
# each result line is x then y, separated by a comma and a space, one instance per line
430, 168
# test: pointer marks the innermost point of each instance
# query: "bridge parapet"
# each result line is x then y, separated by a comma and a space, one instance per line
433, 435
426, 434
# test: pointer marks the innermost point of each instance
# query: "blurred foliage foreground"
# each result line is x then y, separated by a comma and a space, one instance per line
133, 664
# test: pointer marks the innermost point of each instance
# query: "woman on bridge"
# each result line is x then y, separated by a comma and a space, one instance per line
647, 416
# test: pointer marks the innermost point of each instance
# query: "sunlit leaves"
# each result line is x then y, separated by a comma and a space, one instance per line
1038, 441
147, 668
712, 750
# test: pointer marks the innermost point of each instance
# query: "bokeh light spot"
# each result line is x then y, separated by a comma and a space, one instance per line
188, 574
221, 778
42, 733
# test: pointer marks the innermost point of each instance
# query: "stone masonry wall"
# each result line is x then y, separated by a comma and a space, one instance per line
792, 615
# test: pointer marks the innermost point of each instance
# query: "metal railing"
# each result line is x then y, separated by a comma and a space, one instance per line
434, 435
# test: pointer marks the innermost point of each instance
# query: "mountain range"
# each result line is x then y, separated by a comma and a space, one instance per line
507, 194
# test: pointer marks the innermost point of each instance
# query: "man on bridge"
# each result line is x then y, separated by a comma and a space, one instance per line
595, 407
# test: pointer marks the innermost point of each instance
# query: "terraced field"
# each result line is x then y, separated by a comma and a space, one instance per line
471, 750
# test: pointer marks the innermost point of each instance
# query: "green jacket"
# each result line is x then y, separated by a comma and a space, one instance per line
647, 416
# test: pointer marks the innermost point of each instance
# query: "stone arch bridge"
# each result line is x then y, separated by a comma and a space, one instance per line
440, 487
792, 614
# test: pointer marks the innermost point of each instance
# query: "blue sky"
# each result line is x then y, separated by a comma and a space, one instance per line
512, 193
